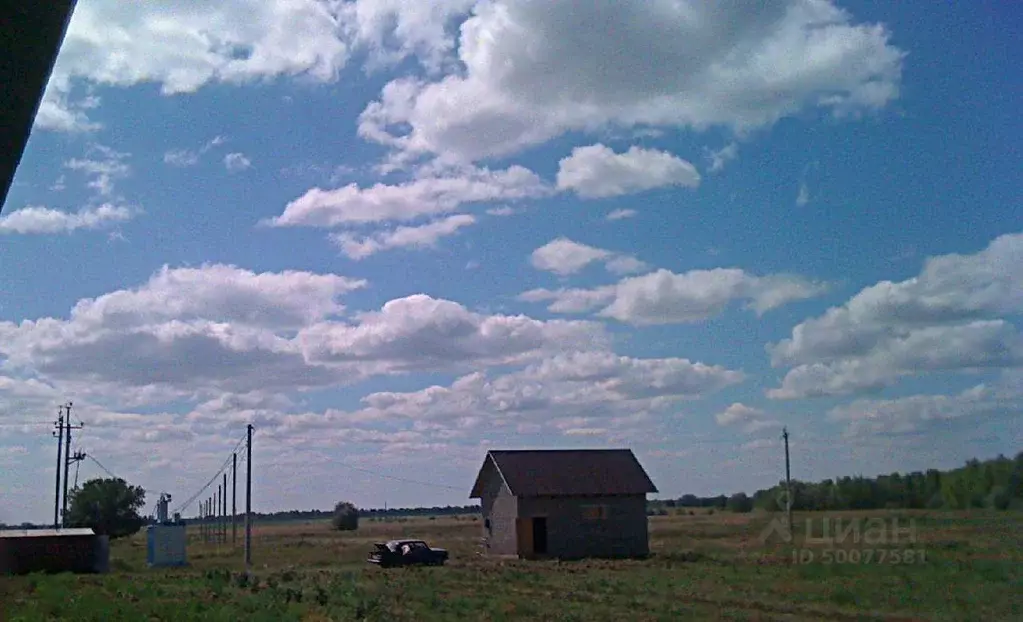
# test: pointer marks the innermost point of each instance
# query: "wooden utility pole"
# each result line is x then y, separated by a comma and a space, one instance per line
234, 498
788, 484
248, 499
215, 515
223, 513
67, 459
59, 433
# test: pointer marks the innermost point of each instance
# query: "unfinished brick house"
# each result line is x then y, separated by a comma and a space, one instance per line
566, 504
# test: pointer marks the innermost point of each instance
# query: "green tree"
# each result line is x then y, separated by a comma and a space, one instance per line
346, 517
740, 502
109, 506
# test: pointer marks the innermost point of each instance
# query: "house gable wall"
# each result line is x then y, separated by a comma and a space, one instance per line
499, 508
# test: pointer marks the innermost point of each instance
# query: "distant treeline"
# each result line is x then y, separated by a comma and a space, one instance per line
995, 484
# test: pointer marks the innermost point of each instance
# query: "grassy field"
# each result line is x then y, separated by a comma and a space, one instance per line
966, 566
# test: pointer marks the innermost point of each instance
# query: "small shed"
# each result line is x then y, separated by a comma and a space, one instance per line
53, 550
166, 545
568, 503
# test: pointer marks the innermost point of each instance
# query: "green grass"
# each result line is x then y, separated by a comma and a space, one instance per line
707, 567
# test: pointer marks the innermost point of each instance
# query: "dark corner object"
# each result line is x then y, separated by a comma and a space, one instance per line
30, 39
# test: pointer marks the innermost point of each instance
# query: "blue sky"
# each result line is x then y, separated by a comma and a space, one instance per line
394, 235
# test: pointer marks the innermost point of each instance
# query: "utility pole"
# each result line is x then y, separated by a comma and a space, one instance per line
234, 498
67, 462
223, 513
248, 499
216, 516
788, 484
59, 433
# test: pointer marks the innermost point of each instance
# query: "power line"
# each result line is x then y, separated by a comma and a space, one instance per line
203, 489
105, 470
223, 467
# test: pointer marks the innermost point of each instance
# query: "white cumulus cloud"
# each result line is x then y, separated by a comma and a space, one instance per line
532, 71
567, 391
915, 413
421, 332
422, 236
420, 197
44, 220
564, 257
200, 332
664, 297
597, 171
953, 315
183, 46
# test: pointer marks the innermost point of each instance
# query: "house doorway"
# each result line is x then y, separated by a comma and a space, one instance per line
540, 535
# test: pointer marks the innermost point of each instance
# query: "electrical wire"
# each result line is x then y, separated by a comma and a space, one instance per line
105, 470
212, 479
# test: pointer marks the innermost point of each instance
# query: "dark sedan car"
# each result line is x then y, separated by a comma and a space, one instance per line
406, 553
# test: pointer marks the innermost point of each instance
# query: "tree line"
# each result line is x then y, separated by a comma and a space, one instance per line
994, 484
111, 506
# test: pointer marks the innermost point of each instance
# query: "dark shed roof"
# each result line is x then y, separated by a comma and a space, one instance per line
564, 472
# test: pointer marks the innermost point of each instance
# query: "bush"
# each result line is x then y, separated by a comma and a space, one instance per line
740, 502
346, 517
998, 499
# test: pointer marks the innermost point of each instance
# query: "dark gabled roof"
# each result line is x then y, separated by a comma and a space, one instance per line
564, 472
